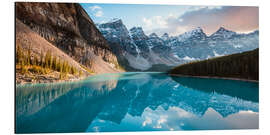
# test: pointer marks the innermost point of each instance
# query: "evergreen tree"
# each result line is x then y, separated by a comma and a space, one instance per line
41, 59
28, 57
58, 65
48, 59
54, 63
74, 70
19, 54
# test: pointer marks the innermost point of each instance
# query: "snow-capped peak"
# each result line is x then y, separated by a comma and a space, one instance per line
114, 20
136, 29
197, 30
222, 33
195, 33
112, 24
165, 36
153, 35
137, 32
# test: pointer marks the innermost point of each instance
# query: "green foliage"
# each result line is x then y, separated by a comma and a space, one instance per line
36, 69
242, 65
74, 71
87, 69
19, 55
35, 61
28, 56
24, 69
48, 60
41, 59
54, 63
80, 73
43, 65
59, 65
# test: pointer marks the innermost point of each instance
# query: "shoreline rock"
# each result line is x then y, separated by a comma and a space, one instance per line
48, 78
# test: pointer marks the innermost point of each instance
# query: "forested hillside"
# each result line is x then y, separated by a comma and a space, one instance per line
243, 65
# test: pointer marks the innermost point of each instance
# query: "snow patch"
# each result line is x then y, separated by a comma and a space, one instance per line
188, 58
216, 54
238, 46
176, 56
114, 20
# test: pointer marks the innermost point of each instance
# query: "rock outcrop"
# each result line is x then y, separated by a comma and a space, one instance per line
68, 27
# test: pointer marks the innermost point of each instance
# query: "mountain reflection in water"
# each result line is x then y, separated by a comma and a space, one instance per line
136, 102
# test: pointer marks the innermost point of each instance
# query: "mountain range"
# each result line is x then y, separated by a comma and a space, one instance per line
139, 51
66, 30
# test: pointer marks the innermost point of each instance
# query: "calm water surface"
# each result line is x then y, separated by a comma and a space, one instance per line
137, 102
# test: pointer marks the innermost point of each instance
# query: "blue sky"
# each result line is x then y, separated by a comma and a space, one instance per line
176, 19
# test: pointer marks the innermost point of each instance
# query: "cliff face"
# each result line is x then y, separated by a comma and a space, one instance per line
68, 27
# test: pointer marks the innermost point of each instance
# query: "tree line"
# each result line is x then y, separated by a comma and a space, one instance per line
44, 64
241, 65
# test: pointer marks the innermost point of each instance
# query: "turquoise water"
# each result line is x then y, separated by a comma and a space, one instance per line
137, 102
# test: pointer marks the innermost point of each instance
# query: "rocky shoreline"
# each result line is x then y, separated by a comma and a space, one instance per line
53, 77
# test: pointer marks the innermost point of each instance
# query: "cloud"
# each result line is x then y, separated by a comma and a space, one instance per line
147, 22
155, 21
195, 8
93, 8
236, 18
160, 21
161, 25
97, 11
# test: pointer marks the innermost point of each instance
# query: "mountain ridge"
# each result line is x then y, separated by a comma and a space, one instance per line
175, 50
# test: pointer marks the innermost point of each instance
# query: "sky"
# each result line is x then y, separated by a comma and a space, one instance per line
177, 19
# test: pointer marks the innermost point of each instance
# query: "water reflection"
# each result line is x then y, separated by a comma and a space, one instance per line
229, 87
136, 102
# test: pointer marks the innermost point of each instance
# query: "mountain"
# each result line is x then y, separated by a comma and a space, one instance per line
165, 36
68, 27
195, 45
135, 50
26, 38
222, 33
192, 36
143, 52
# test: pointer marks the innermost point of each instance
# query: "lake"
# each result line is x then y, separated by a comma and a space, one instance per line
137, 101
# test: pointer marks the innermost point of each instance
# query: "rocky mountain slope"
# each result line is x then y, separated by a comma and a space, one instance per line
25, 37
68, 27
195, 45
143, 52
28, 39
134, 47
